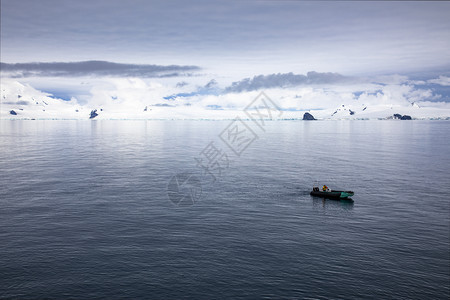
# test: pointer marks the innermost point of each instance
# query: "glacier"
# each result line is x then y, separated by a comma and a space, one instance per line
134, 98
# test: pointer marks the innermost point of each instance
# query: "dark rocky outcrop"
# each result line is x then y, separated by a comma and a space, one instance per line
400, 117
12, 112
93, 114
308, 117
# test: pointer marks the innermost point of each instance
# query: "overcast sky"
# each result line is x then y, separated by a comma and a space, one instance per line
258, 37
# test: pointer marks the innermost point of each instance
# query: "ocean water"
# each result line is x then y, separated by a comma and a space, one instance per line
122, 209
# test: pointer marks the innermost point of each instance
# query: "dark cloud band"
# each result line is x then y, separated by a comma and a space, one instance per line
92, 68
285, 80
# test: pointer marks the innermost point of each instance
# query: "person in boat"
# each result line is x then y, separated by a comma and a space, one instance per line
325, 188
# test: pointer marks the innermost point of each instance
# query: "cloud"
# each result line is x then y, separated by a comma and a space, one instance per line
439, 85
211, 88
285, 80
145, 98
212, 84
271, 36
163, 105
92, 68
181, 84
442, 80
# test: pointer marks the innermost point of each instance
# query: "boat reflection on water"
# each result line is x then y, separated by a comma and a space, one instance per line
329, 204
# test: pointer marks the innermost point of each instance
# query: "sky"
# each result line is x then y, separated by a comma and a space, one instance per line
238, 38
206, 55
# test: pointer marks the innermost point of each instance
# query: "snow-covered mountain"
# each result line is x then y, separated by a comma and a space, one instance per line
133, 98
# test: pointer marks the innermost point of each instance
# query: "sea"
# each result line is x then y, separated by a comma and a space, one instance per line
200, 209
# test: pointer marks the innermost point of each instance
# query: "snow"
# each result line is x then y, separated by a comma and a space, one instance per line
128, 98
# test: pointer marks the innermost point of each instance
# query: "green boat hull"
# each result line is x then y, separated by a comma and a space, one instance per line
333, 194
